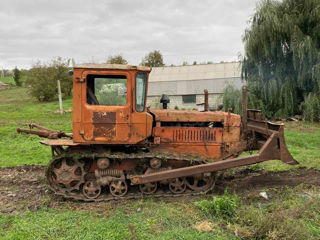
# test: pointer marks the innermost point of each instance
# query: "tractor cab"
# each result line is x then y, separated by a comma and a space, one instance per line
109, 104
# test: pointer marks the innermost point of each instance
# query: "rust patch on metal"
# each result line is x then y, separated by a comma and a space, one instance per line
107, 131
104, 117
104, 124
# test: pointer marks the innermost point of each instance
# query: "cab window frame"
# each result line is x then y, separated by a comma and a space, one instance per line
141, 108
90, 84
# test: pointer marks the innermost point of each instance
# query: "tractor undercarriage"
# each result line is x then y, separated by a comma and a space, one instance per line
95, 177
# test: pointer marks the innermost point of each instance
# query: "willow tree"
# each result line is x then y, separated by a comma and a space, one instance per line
282, 55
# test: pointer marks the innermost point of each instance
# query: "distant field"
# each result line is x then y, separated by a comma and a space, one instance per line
292, 211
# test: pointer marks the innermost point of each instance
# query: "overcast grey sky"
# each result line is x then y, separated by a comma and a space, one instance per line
91, 30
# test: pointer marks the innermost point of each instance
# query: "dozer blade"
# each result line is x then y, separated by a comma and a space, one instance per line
263, 131
273, 149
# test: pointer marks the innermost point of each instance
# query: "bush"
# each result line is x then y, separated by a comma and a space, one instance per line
311, 107
232, 99
42, 80
224, 206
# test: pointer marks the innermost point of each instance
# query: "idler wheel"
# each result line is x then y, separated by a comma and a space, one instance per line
118, 188
199, 183
91, 189
66, 174
148, 188
177, 185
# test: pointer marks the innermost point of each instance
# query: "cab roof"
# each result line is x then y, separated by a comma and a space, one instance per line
112, 66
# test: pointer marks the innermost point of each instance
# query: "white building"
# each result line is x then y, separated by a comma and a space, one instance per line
185, 84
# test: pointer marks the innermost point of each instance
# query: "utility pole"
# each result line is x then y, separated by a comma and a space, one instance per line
60, 98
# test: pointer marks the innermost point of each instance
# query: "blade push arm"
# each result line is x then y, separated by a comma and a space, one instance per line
44, 132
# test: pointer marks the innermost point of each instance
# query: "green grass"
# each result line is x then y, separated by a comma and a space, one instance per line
290, 213
17, 109
154, 221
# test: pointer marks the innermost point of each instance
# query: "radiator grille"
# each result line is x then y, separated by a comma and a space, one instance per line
194, 135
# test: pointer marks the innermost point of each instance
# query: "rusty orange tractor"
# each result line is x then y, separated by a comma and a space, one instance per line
119, 148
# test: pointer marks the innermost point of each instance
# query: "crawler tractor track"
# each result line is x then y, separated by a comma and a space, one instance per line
71, 179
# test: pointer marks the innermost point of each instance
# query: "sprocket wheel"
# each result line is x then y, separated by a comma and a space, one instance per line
91, 189
148, 188
199, 183
118, 187
66, 175
177, 185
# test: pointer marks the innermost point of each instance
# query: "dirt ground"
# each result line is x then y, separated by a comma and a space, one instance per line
24, 187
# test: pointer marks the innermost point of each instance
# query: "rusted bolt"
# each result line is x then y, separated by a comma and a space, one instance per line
155, 163
103, 163
135, 181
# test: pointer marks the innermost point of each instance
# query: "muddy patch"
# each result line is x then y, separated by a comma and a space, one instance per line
24, 188
255, 181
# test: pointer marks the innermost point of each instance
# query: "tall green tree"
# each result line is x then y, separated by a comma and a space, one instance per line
17, 76
117, 59
282, 55
153, 59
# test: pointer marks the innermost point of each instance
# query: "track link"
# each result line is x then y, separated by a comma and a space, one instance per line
133, 190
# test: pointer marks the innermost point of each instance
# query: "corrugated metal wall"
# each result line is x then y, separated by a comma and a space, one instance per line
194, 79
191, 86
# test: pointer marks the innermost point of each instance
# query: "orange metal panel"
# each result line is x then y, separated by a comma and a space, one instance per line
231, 134
195, 116
76, 113
202, 150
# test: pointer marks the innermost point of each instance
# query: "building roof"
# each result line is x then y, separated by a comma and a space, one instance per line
196, 72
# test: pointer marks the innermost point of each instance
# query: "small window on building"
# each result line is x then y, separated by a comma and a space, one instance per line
189, 98
107, 90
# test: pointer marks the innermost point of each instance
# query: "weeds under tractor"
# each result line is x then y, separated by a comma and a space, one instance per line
120, 148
